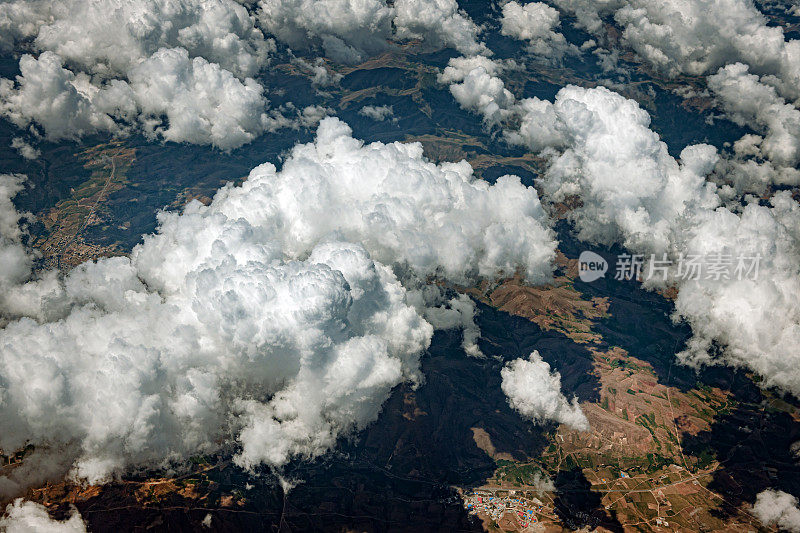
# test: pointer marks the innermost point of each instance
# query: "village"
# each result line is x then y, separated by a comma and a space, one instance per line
520, 507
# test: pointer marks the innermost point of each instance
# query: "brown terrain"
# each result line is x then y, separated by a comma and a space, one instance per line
632, 458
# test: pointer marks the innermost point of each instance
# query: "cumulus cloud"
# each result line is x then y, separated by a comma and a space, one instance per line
256, 322
756, 70
539, 126
475, 84
30, 517
750, 174
777, 508
535, 391
321, 75
755, 320
535, 22
455, 313
184, 71
109, 37
699, 37
289, 115
749, 102
55, 98
379, 113
435, 219
16, 297
113, 66
16, 260
588, 12
437, 23
24, 149
696, 38
634, 193
20, 20
348, 31
203, 103
312, 115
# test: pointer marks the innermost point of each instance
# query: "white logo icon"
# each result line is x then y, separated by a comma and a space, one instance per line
591, 266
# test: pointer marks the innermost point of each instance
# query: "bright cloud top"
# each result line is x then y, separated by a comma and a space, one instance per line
633, 190
347, 30
109, 37
270, 321
535, 391
634, 193
698, 37
775, 507
535, 22
437, 23
114, 66
30, 517
753, 71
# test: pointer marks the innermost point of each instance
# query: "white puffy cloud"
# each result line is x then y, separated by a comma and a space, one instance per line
379, 113
535, 22
53, 97
348, 31
136, 378
456, 313
253, 322
25, 149
289, 115
698, 37
539, 126
775, 507
751, 175
475, 84
435, 219
17, 297
634, 193
588, 12
755, 320
109, 37
20, 20
535, 391
111, 66
203, 103
117, 66
321, 75
756, 71
30, 517
14, 258
312, 115
437, 22
749, 102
